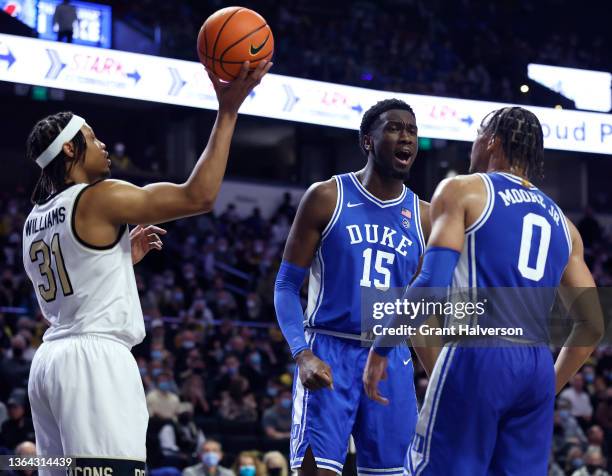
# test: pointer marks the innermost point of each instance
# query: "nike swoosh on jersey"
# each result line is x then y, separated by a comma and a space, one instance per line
257, 49
351, 205
406, 362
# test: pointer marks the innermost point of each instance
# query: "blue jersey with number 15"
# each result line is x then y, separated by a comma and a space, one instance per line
369, 243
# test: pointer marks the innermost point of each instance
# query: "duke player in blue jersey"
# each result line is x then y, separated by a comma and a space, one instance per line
489, 405
356, 232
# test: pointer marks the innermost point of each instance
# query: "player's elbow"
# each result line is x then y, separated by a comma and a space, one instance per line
592, 331
199, 201
206, 205
598, 331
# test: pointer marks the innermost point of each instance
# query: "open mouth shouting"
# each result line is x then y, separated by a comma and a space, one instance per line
403, 156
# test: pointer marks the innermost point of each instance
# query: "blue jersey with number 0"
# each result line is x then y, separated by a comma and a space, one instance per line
520, 242
368, 243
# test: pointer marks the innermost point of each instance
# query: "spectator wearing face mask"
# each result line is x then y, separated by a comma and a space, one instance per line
209, 455
229, 370
249, 464
276, 464
158, 351
594, 464
255, 371
145, 374
162, 401
574, 460
184, 343
276, 420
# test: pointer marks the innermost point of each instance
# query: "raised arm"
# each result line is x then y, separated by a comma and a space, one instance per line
579, 294
119, 202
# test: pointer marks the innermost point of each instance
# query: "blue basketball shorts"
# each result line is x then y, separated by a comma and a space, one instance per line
487, 411
325, 419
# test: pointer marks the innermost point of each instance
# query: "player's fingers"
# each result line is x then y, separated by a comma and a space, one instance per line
244, 70
371, 388
262, 68
324, 379
329, 373
257, 72
157, 245
255, 75
155, 229
267, 68
380, 399
214, 79
369, 385
137, 230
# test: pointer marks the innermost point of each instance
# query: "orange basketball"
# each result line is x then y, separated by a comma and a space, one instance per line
231, 36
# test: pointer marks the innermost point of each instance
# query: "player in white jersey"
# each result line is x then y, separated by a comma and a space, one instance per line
85, 389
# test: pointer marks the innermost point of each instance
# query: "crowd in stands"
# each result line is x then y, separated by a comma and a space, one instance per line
466, 48
215, 367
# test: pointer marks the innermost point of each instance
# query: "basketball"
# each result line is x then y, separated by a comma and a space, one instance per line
231, 36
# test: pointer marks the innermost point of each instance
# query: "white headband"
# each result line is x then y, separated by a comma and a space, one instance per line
67, 134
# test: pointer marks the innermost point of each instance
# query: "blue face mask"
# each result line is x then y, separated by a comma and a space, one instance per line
156, 355
247, 471
577, 463
143, 371
589, 378
564, 414
256, 359
156, 372
285, 402
272, 391
188, 344
165, 386
210, 459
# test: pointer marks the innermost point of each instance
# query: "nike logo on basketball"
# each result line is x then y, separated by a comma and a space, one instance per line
351, 205
257, 49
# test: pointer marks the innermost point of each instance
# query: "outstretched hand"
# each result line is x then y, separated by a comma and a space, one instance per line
231, 95
144, 240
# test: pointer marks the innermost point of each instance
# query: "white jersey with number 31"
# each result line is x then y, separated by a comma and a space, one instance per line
81, 289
